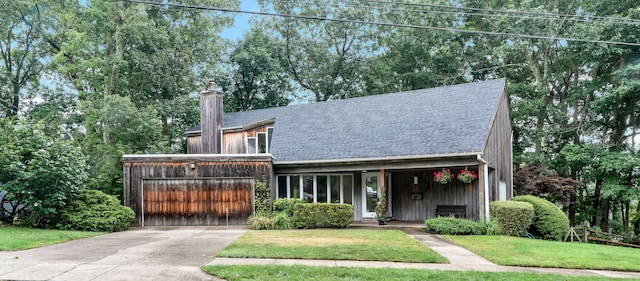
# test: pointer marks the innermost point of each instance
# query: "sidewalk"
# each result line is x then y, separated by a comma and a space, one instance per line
460, 259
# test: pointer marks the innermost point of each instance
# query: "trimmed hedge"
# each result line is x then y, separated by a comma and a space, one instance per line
322, 215
94, 210
286, 205
514, 217
454, 226
549, 222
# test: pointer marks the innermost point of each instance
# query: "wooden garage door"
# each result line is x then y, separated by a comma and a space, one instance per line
199, 201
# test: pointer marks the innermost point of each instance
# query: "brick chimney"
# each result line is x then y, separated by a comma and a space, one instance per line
211, 119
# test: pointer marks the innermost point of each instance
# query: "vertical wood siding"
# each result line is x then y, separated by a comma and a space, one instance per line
175, 173
433, 194
194, 144
211, 121
498, 151
197, 201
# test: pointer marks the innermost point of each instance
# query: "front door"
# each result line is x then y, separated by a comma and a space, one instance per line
371, 193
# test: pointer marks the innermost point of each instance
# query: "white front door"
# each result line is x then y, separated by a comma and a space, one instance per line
371, 193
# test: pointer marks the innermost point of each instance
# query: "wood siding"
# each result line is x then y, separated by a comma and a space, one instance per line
406, 206
206, 201
234, 141
194, 144
150, 168
211, 120
498, 151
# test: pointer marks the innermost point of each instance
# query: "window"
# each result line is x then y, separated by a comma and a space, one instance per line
334, 188
251, 146
261, 143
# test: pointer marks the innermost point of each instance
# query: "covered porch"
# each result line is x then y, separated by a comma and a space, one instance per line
412, 193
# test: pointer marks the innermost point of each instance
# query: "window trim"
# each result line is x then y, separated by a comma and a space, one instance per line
330, 198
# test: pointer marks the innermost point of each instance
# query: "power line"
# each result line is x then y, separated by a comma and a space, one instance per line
611, 19
524, 15
449, 29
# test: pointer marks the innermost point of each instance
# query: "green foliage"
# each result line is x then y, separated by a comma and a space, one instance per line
513, 217
262, 198
257, 79
40, 173
281, 220
453, 226
94, 210
323, 215
490, 227
549, 222
260, 222
286, 205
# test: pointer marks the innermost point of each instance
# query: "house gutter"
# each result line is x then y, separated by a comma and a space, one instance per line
485, 178
374, 159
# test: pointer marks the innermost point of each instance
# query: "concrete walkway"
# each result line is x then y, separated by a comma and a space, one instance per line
460, 259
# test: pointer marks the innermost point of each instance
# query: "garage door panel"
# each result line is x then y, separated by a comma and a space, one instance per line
200, 201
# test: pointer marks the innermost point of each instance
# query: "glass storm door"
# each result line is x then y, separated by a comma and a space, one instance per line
371, 193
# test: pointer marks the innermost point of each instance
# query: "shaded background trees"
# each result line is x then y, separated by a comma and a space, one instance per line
123, 78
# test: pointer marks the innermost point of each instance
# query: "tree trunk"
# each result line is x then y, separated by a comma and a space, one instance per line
625, 216
596, 201
636, 223
604, 220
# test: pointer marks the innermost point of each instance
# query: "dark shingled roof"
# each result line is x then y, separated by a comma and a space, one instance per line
446, 120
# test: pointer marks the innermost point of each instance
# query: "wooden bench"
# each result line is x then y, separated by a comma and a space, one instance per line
458, 211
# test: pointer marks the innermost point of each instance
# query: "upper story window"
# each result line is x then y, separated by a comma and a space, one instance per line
261, 143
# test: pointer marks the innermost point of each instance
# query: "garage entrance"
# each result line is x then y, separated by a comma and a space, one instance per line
196, 201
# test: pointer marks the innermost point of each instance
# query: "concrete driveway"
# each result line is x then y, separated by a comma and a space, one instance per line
149, 253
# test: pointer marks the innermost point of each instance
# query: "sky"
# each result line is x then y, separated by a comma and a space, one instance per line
241, 20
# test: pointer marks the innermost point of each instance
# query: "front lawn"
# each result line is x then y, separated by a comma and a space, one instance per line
331, 244
507, 250
19, 238
312, 273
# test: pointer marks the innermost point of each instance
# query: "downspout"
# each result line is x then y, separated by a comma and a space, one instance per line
485, 178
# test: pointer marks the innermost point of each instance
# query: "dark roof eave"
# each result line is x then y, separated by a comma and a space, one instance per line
378, 159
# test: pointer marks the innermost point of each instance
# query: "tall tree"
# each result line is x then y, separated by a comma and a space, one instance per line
257, 78
21, 51
325, 58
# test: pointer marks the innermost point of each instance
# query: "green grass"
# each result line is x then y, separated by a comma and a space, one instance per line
19, 238
331, 244
507, 250
310, 273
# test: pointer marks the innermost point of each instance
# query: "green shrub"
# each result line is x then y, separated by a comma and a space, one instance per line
260, 222
322, 215
549, 222
286, 205
453, 226
94, 210
513, 217
490, 227
262, 198
280, 220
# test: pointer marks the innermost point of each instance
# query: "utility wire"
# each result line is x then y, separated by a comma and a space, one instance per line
449, 29
533, 16
612, 19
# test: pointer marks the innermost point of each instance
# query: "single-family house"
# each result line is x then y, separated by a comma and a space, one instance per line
342, 151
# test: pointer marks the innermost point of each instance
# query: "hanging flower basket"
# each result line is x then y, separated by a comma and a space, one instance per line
467, 176
443, 177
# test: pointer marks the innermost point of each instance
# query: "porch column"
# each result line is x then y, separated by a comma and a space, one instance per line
383, 187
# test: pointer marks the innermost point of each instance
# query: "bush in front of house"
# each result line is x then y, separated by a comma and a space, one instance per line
322, 215
94, 210
260, 222
513, 217
549, 222
453, 226
286, 205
